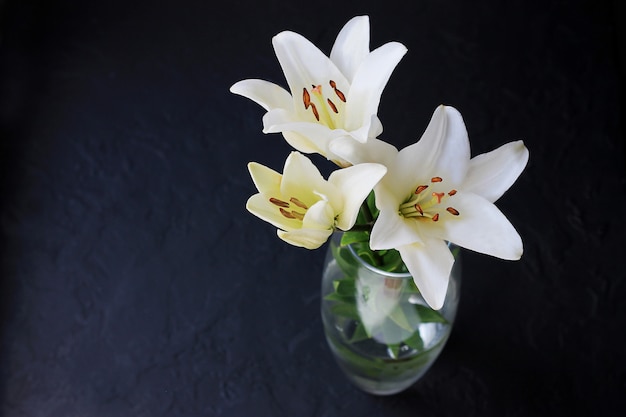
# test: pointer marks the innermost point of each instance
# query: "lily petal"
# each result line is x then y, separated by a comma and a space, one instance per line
430, 265
351, 46
313, 137
391, 230
374, 150
305, 238
266, 94
443, 150
303, 63
354, 184
491, 174
480, 227
265, 179
301, 178
260, 206
367, 87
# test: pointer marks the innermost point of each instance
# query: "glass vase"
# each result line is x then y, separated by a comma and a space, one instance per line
382, 333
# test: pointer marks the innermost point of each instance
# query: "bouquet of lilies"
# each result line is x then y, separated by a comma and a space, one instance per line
412, 201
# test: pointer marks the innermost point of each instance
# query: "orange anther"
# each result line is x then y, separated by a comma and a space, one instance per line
287, 214
279, 203
452, 192
306, 98
332, 105
453, 211
298, 203
436, 179
420, 189
436, 217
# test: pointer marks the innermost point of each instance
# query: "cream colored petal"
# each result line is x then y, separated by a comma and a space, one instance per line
302, 180
491, 174
430, 265
260, 206
354, 184
267, 94
305, 238
351, 46
319, 216
266, 180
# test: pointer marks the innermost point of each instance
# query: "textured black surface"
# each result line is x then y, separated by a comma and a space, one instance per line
134, 283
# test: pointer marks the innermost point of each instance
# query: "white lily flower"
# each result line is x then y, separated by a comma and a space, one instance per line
305, 207
330, 97
433, 193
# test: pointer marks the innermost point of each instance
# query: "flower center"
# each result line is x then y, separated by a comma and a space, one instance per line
285, 208
325, 109
427, 201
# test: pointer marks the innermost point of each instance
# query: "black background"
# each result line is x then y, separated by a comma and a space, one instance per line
134, 283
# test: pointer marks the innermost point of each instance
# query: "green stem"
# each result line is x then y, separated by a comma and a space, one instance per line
369, 220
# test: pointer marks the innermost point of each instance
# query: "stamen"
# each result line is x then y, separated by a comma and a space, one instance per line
452, 192
341, 96
279, 203
439, 196
419, 208
436, 179
420, 189
297, 215
436, 217
287, 214
306, 98
317, 115
332, 105
298, 203
453, 211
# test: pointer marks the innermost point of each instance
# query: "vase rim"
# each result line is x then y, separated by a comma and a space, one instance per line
395, 275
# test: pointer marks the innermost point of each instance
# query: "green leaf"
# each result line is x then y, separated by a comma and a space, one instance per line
428, 315
415, 341
399, 317
394, 350
349, 238
345, 310
360, 333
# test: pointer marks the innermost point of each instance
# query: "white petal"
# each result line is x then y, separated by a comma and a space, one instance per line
480, 227
391, 230
430, 265
351, 46
491, 174
302, 179
442, 151
260, 206
368, 84
267, 94
374, 150
313, 137
266, 180
305, 238
354, 183
304, 64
